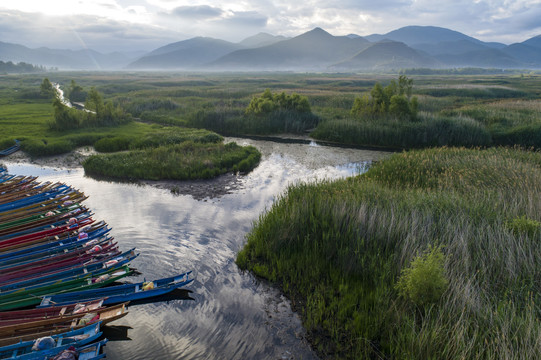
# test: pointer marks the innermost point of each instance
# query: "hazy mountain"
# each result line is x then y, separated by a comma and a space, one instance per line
421, 35
261, 39
489, 58
63, 58
451, 47
387, 55
315, 49
528, 55
534, 42
187, 54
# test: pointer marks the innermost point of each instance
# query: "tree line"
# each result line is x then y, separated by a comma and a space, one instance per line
10, 67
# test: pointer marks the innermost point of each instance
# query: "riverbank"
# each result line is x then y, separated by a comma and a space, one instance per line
233, 315
339, 248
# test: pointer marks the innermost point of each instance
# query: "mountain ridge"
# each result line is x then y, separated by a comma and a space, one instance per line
314, 50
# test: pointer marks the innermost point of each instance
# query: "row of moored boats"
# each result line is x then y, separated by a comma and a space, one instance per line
59, 272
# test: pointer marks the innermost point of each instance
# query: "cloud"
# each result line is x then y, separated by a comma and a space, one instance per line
246, 19
147, 24
84, 31
197, 12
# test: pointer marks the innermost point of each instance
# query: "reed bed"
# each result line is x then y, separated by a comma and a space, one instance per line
185, 161
390, 132
338, 248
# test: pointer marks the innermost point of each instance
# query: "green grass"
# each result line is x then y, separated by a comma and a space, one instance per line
338, 249
389, 132
217, 102
182, 153
185, 161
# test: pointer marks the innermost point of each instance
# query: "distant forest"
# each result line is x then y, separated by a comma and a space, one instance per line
19, 68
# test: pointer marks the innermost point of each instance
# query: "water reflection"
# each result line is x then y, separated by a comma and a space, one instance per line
228, 314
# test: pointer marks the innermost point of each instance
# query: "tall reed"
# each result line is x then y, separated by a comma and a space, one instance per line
338, 248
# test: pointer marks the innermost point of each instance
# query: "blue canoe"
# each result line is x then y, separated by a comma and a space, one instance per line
87, 352
97, 230
69, 274
92, 351
10, 150
120, 293
76, 338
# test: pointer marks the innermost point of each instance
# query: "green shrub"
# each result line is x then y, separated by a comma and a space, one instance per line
268, 103
112, 144
523, 225
394, 99
38, 148
424, 281
5, 143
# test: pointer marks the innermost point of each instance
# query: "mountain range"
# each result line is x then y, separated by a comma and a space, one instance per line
315, 50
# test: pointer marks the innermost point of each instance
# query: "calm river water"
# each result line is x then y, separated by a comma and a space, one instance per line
228, 314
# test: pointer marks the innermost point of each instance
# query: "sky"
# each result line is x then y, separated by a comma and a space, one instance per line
144, 25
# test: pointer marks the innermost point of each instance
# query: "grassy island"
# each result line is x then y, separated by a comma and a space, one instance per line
184, 161
431, 254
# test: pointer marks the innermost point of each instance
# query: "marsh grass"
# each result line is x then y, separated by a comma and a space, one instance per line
338, 249
390, 132
158, 137
185, 161
503, 104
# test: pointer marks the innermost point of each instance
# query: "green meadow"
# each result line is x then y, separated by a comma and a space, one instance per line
451, 110
29, 117
434, 253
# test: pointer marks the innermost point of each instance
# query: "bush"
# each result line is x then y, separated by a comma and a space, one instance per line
112, 144
268, 103
523, 225
424, 281
38, 148
394, 99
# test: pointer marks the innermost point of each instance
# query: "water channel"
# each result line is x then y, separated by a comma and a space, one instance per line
227, 314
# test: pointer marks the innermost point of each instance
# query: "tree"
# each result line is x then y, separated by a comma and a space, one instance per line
64, 117
268, 103
94, 102
400, 107
405, 86
47, 90
395, 99
76, 92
